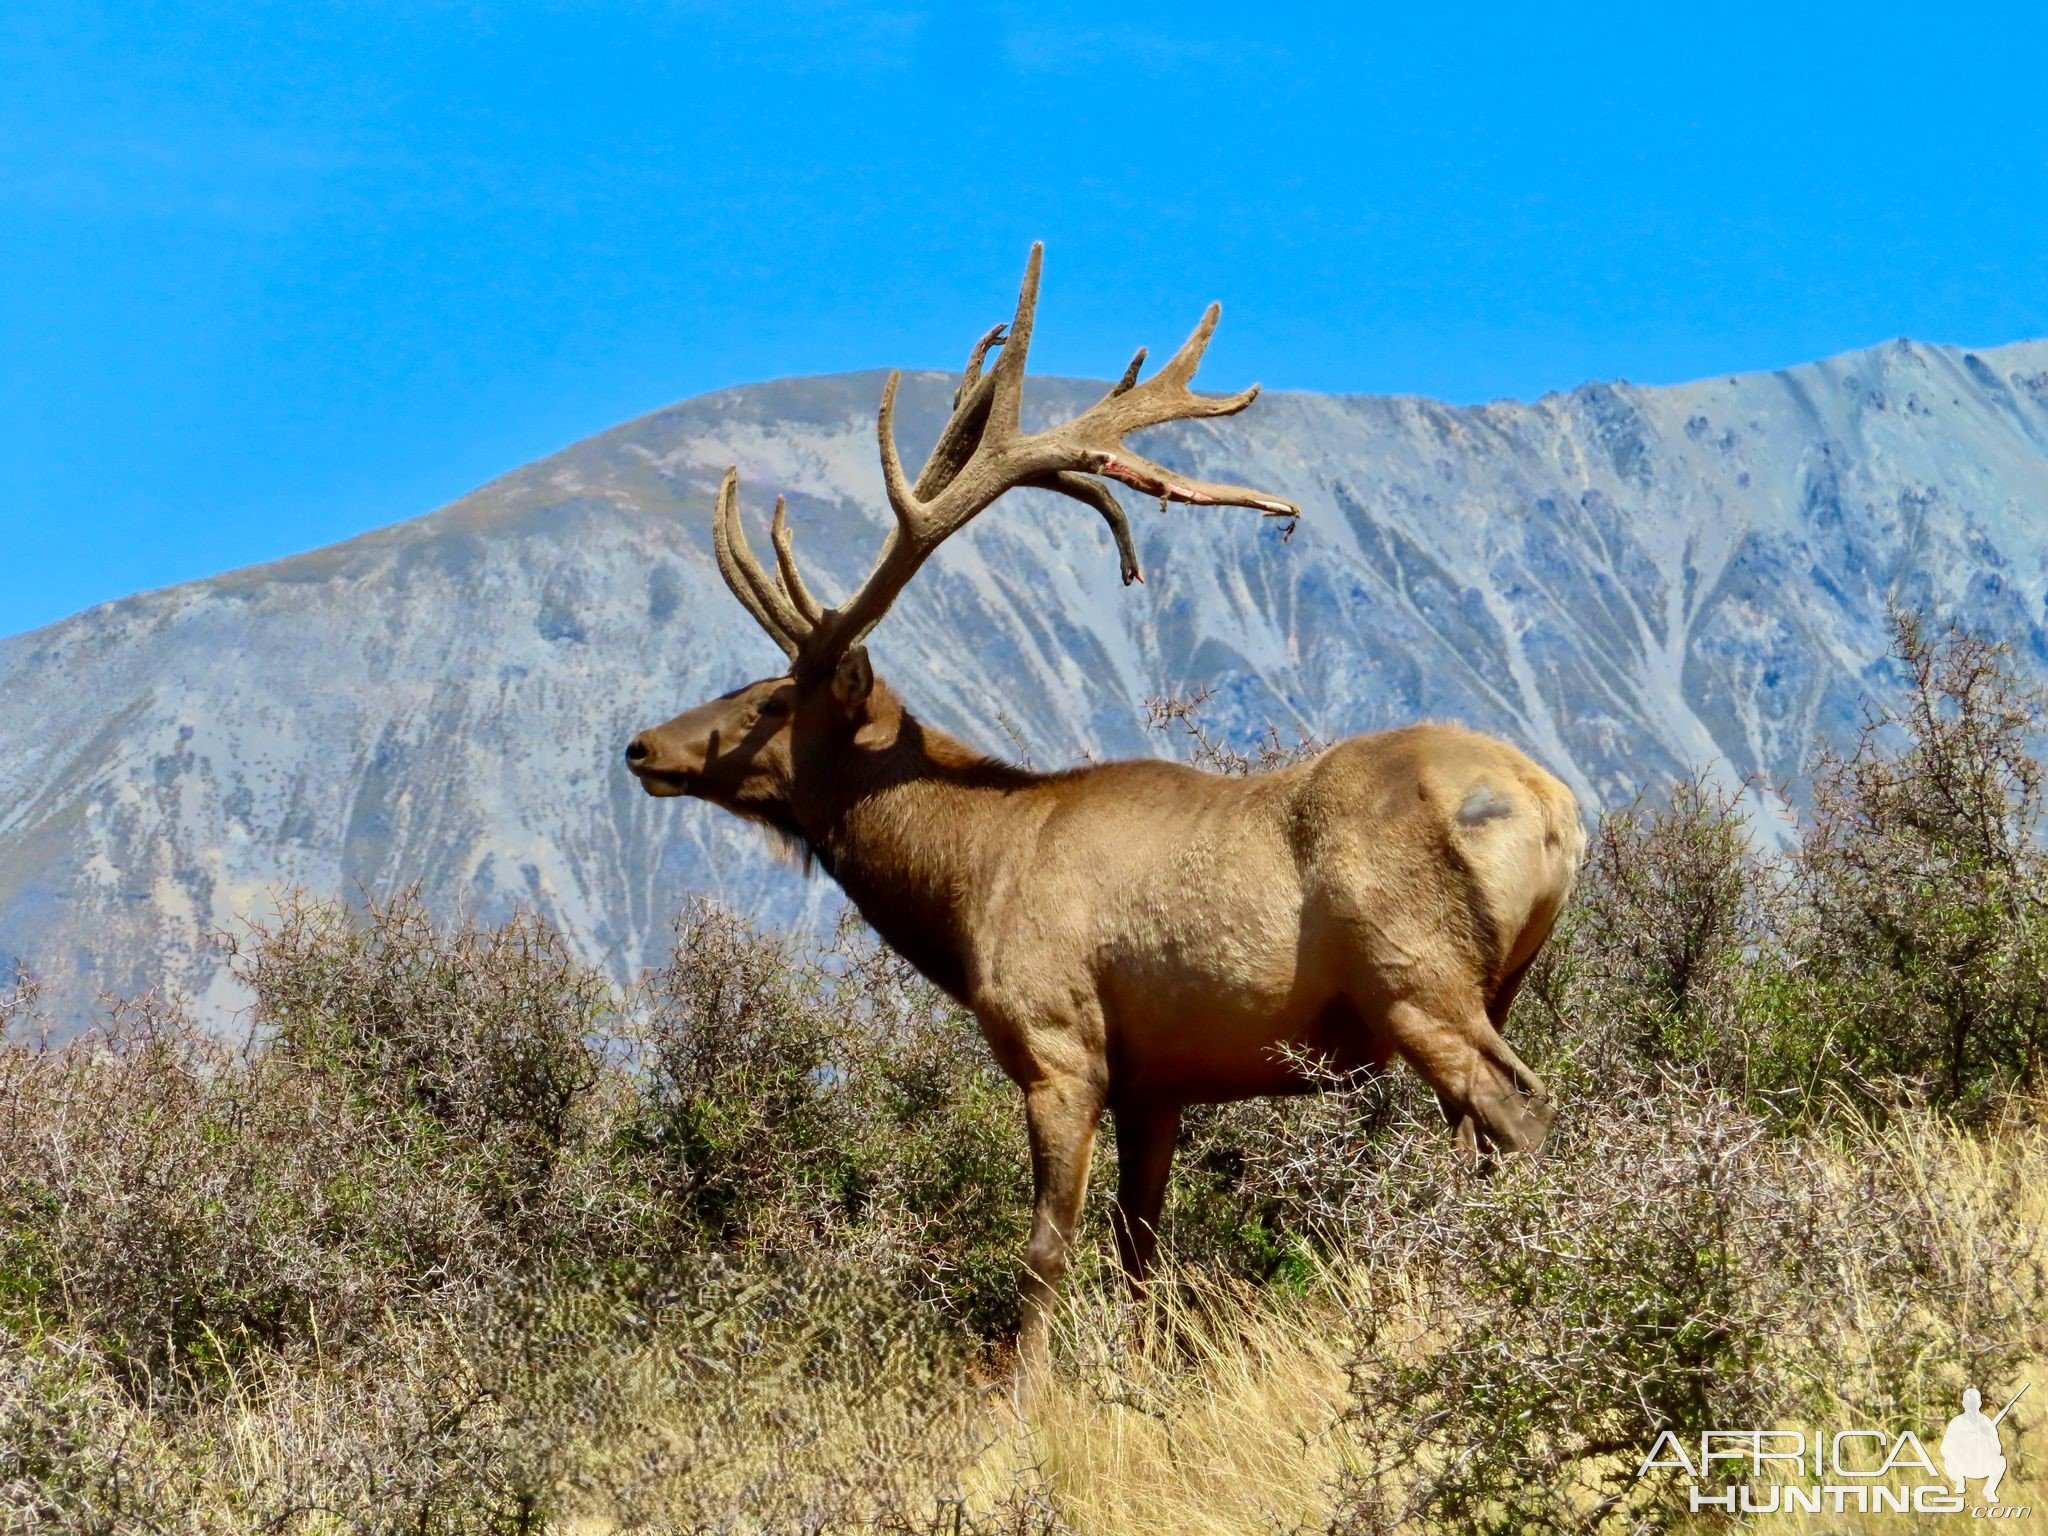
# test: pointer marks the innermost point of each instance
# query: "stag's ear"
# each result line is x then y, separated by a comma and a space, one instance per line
853, 679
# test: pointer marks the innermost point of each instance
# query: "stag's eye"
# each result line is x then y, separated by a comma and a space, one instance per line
774, 708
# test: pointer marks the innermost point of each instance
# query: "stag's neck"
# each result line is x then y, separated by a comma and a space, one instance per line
920, 831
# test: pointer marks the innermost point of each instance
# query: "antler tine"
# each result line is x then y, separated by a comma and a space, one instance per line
1141, 474
1180, 368
1099, 431
1099, 496
958, 438
992, 338
1005, 409
903, 501
743, 573
1123, 385
975, 399
799, 595
1165, 396
962, 432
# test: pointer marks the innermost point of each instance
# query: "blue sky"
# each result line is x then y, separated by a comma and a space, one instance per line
274, 274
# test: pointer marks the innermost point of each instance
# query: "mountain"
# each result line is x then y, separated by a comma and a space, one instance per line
1628, 582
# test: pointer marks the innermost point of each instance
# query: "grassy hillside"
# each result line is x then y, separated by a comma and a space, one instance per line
464, 1240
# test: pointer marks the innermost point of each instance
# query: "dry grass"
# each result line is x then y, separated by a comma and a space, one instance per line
1216, 1409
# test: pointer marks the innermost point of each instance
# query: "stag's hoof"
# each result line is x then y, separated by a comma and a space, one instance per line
1506, 1121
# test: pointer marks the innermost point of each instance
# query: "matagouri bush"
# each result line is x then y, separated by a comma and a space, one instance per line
463, 1239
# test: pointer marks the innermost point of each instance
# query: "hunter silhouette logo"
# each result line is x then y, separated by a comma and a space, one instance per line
1860, 1471
1970, 1446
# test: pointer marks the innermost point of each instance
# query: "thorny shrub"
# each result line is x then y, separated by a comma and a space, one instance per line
782, 1101
1924, 881
1898, 951
480, 1041
1659, 945
1522, 1338
477, 1242
798, 1402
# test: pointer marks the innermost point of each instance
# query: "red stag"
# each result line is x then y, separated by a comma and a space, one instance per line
1135, 936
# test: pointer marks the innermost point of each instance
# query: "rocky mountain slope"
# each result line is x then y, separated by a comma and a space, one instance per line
1628, 582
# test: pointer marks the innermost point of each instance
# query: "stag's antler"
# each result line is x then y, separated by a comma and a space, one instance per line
768, 601
982, 452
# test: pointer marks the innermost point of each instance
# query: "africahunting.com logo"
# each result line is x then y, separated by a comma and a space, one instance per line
1859, 1471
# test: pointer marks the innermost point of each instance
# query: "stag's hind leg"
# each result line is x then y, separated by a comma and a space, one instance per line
1489, 1094
1144, 1155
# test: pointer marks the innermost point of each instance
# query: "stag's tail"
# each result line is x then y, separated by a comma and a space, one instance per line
1563, 829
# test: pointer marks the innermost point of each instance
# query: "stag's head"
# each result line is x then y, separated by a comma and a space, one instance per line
749, 750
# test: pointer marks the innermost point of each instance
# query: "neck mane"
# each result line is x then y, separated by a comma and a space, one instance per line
915, 826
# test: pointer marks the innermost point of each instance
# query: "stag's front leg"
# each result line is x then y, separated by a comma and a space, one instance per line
1062, 1113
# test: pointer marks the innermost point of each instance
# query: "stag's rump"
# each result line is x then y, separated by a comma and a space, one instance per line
1435, 859
1223, 920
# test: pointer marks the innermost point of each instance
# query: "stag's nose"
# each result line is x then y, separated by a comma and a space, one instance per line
636, 750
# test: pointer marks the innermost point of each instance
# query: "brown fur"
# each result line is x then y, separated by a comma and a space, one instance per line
1138, 936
